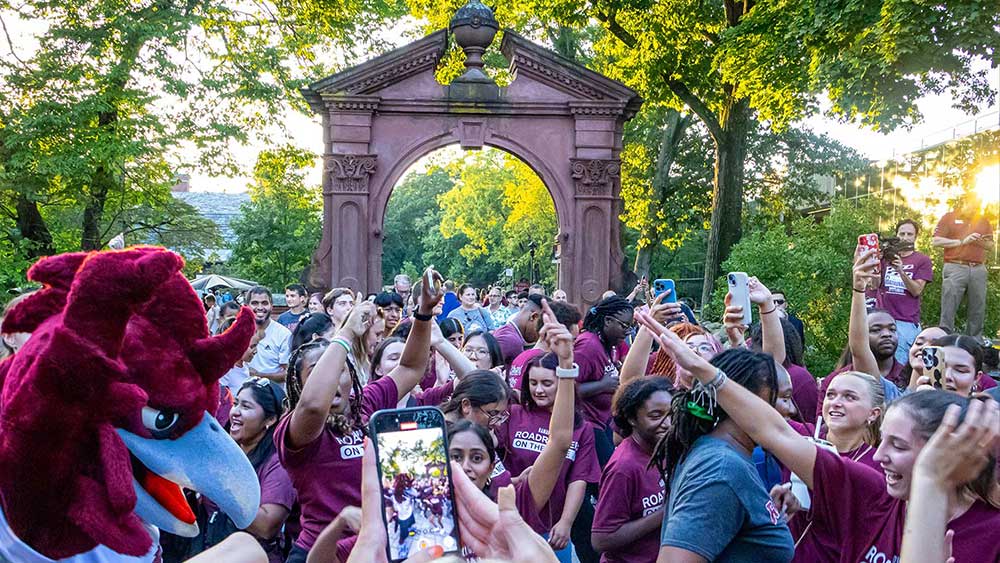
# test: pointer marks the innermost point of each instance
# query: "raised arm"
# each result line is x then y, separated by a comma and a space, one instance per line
863, 274
545, 471
772, 337
309, 415
455, 358
757, 418
637, 358
954, 456
413, 362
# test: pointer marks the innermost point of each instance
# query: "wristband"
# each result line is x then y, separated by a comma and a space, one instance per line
422, 317
344, 343
773, 309
570, 373
859, 290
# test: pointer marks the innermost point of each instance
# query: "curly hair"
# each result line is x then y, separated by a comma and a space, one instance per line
752, 370
630, 398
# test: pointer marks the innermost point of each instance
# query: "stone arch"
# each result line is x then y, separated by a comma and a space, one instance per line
561, 119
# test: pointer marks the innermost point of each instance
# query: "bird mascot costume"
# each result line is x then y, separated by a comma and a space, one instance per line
105, 411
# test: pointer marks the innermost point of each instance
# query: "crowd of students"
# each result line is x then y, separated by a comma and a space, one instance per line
623, 433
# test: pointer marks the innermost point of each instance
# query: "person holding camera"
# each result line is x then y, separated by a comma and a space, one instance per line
907, 272
965, 235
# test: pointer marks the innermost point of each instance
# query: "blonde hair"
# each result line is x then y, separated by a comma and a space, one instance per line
873, 433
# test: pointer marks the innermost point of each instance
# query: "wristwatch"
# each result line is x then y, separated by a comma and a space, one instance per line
570, 373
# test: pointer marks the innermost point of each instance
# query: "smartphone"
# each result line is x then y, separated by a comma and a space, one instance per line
431, 280
660, 286
934, 364
741, 295
411, 446
869, 242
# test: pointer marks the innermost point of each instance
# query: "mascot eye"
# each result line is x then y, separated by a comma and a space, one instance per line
159, 422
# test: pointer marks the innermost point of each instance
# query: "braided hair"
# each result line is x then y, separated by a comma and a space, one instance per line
340, 423
752, 370
596, 316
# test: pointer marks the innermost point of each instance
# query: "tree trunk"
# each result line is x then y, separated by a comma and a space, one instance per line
33, 228
727, 197
674, 126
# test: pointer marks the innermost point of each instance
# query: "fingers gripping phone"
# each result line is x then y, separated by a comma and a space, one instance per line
661, 286
741, 294
934, 364
411, 447
869, 242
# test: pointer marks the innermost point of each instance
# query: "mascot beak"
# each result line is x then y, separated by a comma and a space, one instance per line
205, 459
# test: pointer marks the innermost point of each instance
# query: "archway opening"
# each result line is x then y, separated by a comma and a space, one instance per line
483, 217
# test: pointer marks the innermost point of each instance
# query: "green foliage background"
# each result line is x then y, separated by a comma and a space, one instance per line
811, 262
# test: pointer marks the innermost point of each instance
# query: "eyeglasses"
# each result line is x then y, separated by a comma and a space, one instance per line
477, 352
625, 326
262, 383
701, 349
779, 301
495, 417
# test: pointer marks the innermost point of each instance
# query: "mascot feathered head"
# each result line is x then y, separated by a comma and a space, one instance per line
104, 413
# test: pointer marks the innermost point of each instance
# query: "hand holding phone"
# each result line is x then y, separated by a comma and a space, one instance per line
738, 282
662, 286
411, 447
934, 364
869, 242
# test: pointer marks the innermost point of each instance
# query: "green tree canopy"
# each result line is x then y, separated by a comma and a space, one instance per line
280, 226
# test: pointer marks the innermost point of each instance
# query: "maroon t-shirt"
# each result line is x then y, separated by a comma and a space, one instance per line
805, 391
892, 294
435, 396
629, 491
595, 364
517, 366
524, 435
854, 519
275, 488
327, 472
511, 342
863, 454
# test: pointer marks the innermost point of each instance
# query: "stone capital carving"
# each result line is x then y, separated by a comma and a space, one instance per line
348, 173
594, 177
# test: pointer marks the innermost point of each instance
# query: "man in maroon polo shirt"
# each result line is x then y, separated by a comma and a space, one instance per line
965, 235
520, 330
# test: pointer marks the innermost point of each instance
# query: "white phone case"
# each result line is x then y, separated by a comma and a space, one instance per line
741, 295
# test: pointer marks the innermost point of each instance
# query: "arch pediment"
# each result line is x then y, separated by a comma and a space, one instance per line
564, 120
544, 82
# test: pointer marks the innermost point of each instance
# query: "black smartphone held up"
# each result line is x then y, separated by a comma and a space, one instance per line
934, 364
662, 285
411, 447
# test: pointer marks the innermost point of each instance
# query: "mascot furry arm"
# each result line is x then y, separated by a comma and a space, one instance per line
103, 412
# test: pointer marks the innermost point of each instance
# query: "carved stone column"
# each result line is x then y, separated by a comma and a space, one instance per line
595, 183
345, 191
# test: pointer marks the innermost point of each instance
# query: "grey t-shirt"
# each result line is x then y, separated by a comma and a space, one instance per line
719, 509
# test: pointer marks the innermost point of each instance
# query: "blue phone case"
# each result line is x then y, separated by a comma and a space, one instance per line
659, 286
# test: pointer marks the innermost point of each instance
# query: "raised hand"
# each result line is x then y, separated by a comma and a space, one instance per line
358, 320
372, 537
956, 453
666, 313
683, 356
733, 322
864, 271
430, 291
758, 292
495, 529
558, 337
